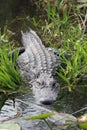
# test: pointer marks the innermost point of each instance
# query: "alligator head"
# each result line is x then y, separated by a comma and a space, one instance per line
45, 89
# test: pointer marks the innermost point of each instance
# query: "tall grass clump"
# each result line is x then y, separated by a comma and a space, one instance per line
10, 77
60, 17
73, 55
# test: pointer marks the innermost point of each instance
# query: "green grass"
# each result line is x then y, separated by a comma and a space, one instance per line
75, 46
10, 77
61, 26
60, 18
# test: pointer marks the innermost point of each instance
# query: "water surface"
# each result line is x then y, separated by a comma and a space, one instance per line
25, 106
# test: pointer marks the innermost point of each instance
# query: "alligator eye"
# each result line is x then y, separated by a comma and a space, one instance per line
37, 76
38, 83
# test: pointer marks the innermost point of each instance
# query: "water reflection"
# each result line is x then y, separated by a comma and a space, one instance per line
71, 102
25, 106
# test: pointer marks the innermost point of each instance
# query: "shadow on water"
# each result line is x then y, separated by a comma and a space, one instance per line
70, 102
3, 98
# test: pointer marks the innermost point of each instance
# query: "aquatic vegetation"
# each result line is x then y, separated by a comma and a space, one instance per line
10, 77
40, 116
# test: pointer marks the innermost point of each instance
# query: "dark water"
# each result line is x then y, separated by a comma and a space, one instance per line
11, 9
71, 102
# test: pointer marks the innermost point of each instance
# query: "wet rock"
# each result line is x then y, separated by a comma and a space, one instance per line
10, 126
62, 118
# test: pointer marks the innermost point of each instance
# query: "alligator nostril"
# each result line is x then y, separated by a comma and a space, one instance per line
47, 102
53, 84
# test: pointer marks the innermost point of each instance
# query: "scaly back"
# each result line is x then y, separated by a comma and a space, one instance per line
36, 55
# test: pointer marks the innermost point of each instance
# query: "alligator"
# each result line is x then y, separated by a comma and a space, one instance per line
37, 65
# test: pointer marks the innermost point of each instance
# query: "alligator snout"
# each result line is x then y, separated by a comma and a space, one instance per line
47, 102
45, 93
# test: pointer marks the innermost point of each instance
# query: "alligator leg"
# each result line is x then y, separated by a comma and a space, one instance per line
19, 50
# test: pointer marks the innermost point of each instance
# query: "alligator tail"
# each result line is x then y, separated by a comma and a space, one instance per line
29, 38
